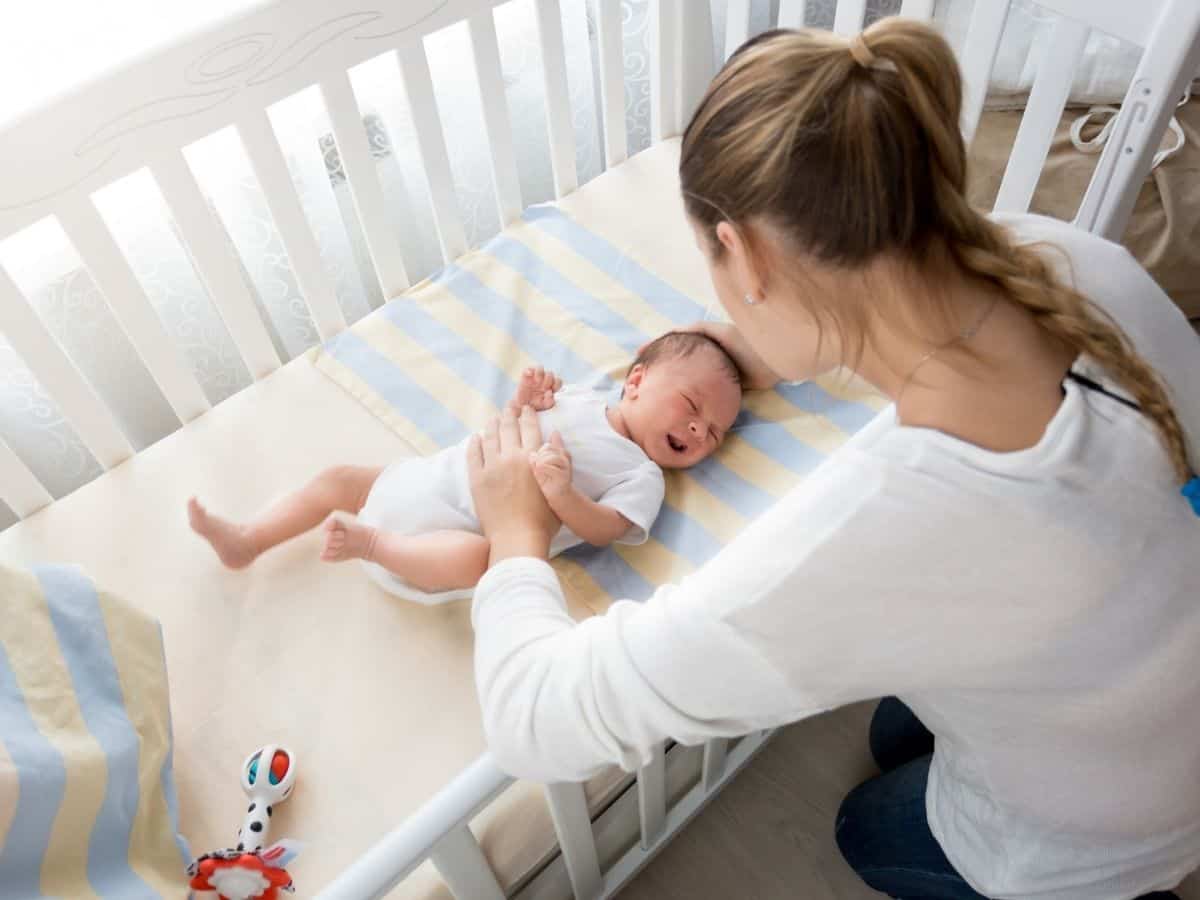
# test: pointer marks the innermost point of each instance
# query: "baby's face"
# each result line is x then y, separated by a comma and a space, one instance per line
679, 410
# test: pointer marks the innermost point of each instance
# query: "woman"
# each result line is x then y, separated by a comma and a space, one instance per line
1005, 547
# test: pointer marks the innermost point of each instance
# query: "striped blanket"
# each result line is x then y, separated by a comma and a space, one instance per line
437, 362
87, 803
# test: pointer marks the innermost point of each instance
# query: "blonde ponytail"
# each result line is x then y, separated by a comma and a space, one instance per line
851, 150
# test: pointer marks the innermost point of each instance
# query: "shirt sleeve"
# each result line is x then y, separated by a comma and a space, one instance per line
711, 656
638, 498
561, 701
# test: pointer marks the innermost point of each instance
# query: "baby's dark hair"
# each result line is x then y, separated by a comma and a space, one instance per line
682, 344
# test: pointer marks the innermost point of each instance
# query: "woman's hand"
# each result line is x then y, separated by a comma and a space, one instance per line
512, 510
756, 375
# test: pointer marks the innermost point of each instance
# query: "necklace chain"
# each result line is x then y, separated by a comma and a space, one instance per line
963, 336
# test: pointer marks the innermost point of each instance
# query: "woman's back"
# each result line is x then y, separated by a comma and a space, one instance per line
1062, 683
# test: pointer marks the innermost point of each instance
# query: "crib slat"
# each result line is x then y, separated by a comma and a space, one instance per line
849, 16
713, 767
1046, 101
737, 25
791, 13
56, 372
558, 104
431, 142
917, 9
612, 83
19, 487
652, 796
573, 825
486, 50
696, 31
351, 139
664, 67
304, 256
207, 242
131, 307
464, 868
978, 57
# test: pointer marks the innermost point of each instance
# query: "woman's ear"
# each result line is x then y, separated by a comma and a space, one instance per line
744, 263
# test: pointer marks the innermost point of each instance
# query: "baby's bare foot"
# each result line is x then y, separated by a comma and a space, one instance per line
346, 538
234, 548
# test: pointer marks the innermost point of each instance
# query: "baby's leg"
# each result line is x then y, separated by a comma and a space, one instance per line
339, 487
434, 562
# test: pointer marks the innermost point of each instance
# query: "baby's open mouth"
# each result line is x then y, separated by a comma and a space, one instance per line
677, 445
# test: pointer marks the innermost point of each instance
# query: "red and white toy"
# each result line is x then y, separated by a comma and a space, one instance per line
253, 870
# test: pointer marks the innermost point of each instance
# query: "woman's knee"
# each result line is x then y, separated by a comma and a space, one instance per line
881, 824
896, 736
851, 827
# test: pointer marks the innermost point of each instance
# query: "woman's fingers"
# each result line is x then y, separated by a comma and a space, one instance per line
530, 430
475, 455
507, 435
490, 441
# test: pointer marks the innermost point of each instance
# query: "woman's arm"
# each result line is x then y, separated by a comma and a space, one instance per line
704, 658
561, 701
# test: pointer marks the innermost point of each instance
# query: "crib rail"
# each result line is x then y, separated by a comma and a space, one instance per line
440, 831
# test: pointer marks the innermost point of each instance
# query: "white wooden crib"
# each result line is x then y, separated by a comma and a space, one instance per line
142, 116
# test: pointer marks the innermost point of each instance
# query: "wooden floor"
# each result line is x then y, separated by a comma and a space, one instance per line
769, 834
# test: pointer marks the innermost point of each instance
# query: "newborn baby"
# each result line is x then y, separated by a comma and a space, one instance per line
600, 471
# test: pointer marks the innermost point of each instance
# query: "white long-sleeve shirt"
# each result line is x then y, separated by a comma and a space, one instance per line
1038, 610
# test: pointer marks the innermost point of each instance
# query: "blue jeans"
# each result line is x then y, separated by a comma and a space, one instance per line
882, 829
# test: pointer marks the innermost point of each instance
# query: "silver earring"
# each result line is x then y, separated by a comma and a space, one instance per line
750, 301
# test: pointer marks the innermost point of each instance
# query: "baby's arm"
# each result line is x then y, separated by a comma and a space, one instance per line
596, 523
537, 389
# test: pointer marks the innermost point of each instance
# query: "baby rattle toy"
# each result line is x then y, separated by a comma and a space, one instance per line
248, 871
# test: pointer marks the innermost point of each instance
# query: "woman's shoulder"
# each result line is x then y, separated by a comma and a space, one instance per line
1073, 251
1110, 277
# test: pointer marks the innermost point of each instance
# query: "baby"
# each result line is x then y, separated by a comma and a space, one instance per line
600, 471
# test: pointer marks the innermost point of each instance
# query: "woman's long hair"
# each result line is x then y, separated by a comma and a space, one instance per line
848, 161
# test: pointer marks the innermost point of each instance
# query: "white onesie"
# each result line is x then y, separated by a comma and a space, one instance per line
421, 494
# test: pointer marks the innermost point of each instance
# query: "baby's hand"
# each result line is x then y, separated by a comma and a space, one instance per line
537, 389
552, 467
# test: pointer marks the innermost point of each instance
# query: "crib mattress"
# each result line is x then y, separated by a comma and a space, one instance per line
375, 696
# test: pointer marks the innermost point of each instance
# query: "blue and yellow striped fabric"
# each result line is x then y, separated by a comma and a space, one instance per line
436, 363
87, 802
